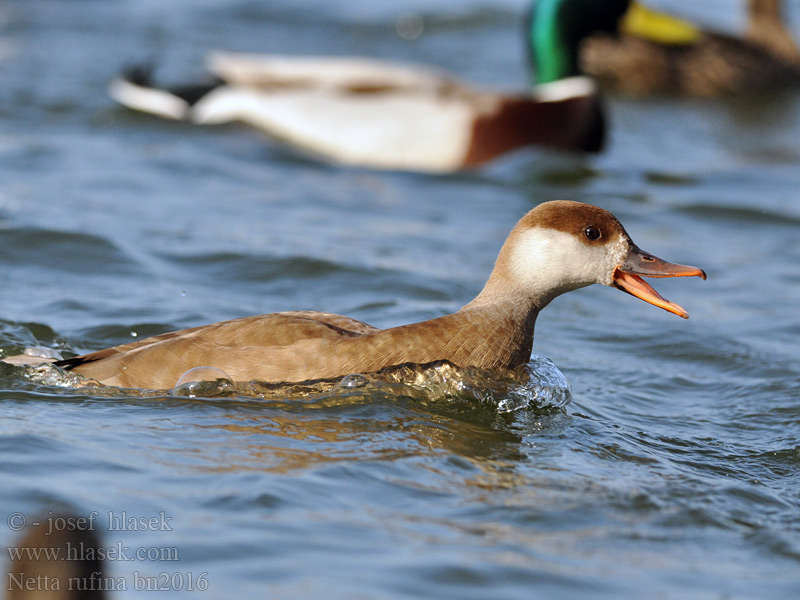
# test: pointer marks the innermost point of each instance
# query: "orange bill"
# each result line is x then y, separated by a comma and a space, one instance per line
638, 264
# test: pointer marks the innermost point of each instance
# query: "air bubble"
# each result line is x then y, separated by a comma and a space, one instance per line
205, 382
354, 380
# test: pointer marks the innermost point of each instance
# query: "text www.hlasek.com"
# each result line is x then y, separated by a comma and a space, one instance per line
81, 552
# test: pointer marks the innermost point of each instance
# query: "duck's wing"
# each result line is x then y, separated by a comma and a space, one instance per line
346, 74
159, 361
405, 130
347, 325
136, 88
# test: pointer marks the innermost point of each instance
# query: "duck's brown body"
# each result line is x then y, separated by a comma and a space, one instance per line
717, 65
301, 346
765, 58
557, 247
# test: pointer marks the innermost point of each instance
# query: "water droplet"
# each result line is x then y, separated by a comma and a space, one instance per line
204, 382
409, 25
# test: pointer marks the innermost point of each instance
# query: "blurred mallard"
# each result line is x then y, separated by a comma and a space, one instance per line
657, 54
396, 116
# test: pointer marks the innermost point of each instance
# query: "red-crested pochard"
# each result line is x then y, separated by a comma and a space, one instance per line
557, 247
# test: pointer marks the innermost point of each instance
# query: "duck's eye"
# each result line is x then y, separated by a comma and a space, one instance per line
592, 232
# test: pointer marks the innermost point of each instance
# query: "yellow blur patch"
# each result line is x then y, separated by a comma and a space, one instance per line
655, 26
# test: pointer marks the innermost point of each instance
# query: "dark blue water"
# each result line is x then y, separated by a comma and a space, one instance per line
673, 473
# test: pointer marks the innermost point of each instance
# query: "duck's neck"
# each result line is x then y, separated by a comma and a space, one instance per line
766, 28
765, 10
553, 54
502, 333
491, 332
509, 318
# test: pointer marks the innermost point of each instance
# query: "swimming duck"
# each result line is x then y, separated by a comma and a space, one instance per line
658, 55
396, 116
556, 247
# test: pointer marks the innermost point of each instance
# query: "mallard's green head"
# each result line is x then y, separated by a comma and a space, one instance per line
556, 28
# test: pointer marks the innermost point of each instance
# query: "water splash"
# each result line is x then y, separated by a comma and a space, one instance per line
50, 375
539, 385
42, 352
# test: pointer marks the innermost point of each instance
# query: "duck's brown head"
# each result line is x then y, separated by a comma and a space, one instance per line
563, 245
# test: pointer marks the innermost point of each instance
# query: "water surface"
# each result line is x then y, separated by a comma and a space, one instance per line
673, 472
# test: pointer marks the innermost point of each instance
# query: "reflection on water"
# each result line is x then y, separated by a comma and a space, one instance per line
282, 443
400, 412
268, 438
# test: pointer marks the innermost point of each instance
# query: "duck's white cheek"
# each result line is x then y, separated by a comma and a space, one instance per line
544, 259
592, 264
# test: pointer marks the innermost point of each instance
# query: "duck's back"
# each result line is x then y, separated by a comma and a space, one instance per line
714, 65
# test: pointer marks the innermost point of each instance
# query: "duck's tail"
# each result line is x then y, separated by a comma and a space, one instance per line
135, 89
